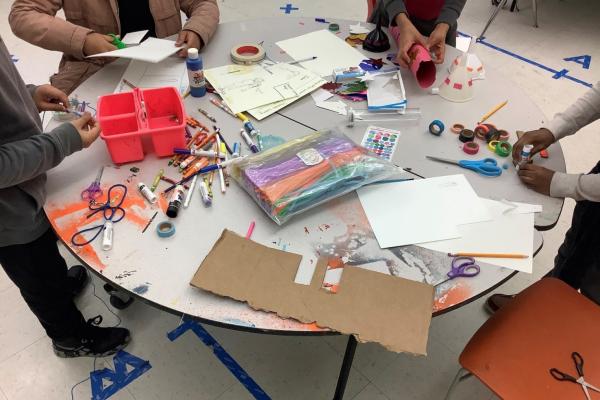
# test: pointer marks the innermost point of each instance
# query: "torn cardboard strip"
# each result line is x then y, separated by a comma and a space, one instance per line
375, 307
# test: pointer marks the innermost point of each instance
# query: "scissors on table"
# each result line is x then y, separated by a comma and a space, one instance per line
561, 376
93, 191
462, 267
486, 166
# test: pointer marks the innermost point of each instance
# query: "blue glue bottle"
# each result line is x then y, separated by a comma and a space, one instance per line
195, 73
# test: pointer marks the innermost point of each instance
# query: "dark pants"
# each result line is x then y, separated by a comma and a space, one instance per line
40, 273
578, 259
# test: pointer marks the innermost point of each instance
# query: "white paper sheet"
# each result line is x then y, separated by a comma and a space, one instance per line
331, 52
463, 43
505, 233
151, 50
170, 72
134, 38
386, 92
320, 95
423, 210
335, 106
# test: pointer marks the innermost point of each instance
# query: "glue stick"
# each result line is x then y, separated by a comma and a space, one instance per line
205, 193
525, 154
147, 193
195, 73
175, 202
107, 236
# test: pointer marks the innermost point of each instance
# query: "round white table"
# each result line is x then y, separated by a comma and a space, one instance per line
158, 270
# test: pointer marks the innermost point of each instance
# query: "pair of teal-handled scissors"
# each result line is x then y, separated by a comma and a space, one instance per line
486, 166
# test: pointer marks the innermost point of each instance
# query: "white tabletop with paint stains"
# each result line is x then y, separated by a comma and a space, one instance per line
158, 270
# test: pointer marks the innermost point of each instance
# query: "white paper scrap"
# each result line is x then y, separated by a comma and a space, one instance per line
335, 106
358, 29
331, 52
321, 95
134, 38
151, 50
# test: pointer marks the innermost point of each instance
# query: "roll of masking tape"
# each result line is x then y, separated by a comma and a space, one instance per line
457, 128
503, 149
436, 127
471, 148
247, 54
165, 229
466, 135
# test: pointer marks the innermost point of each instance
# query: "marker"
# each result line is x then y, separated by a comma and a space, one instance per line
303, 60
250, 230
222, 106
218, 161
247, 124
223, 140
225, 174
249, 141
202, 162
207, 115
107, 236
157, 179
190, 192
204, 170
236, 150
198, 153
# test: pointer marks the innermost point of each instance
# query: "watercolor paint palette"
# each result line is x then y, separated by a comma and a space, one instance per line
381, 141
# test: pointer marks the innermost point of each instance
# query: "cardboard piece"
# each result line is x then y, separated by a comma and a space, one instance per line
392, 311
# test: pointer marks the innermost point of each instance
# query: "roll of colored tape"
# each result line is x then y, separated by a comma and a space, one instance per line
466, 135
247, 54
471, 148
334, 27
436, 127
481, 131
503, 135
503, 149
457, 128
165, 229
492, 145
492, 134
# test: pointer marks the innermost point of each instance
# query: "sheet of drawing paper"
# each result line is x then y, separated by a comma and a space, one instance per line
151, 50
331, 52
134, 38
169, 72
392, 311
505, 233
423, 210
244, 87
386, 92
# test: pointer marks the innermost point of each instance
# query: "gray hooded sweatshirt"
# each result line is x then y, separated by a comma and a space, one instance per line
25, 155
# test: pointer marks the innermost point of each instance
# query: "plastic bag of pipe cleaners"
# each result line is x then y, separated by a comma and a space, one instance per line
303, 173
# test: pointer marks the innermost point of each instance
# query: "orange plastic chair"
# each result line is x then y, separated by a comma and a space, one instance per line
514, 350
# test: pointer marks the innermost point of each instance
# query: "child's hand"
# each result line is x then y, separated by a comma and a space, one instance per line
96, 43
540, 139
188, 40
88, 129
536, 177
408, 36
436, 43
49, 98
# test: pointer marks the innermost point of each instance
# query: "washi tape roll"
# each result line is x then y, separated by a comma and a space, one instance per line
247, 53
492, 133
471, 148
466, 135
436, 127
165, 229
492, 145
457, 128
334, 27
503, 149
481, 131
503, 135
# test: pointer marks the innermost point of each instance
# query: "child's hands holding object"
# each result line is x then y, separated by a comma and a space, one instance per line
88, 129
49, 98
534, 176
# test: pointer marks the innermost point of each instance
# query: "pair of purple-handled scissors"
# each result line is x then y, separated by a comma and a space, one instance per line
462, 267
93, 191
486, 166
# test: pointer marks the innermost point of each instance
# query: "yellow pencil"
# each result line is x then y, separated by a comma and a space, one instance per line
492, 111
488, 255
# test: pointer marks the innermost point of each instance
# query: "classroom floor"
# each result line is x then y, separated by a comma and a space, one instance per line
307, 367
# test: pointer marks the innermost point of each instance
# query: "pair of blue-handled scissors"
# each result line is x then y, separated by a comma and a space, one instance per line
561, 376
486, 166
462, 267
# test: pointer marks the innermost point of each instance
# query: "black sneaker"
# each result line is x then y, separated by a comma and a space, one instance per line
77, 276
96, 341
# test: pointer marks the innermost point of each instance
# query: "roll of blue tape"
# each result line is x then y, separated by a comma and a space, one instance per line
165, 229
436, 127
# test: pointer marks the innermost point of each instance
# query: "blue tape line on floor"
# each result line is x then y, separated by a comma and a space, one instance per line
556, 74
222, 355
119, 377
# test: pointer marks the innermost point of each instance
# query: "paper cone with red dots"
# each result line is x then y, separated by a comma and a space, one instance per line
474, 65
458, 86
